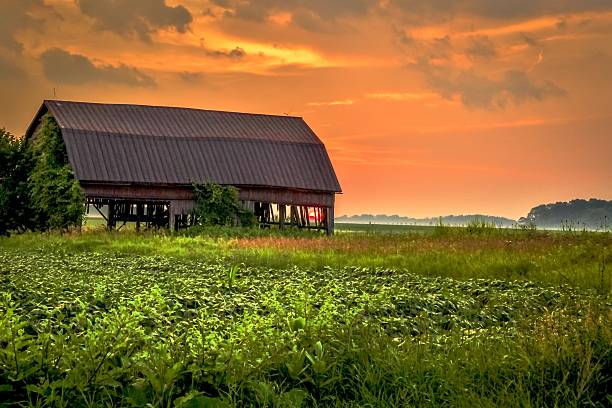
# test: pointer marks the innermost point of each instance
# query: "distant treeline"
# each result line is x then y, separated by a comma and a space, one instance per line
590, 214
446, 220
575, 214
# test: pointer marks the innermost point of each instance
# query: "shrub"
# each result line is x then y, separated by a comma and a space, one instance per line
480, 226
219, 205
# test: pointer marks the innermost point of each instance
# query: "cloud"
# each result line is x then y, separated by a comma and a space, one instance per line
235, 54
420, 12
340, 102
530, 41
139, 18
75, 69
313, 15
478, 91
480, 46
402, 96
19, 15
10, 70
191, 76
522, 89
401, 37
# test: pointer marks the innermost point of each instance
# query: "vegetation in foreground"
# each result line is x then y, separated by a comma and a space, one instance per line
457, 317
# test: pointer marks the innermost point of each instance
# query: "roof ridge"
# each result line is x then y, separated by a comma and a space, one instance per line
211, 138
60, 101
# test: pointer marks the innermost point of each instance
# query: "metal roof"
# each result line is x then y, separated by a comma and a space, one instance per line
108, 143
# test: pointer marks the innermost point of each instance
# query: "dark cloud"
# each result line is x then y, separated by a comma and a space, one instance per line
139, 18
74, 69
325, 15
402, 37
236, 53
522, 89
313, 15
477, 91
440, 48
480, 47
17, 15
428, 11
530, 41
191, 76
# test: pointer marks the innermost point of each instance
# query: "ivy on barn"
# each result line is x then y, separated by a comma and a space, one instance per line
56, 197
38, 190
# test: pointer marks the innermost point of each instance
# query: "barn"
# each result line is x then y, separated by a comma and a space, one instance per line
140, 162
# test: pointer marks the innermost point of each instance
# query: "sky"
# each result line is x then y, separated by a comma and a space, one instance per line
427, 107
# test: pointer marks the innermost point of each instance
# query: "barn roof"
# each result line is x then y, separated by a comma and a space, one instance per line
110, 143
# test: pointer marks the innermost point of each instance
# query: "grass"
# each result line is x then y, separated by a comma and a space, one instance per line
434, 316
577, 259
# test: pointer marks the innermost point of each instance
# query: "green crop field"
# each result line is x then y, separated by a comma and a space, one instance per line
371, 317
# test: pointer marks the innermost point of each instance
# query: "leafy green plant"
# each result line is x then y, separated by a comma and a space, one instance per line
387, 320
479, 226
38, 190
219, 205
15, 165
56, 197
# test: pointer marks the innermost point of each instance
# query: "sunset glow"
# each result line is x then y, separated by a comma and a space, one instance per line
475, 107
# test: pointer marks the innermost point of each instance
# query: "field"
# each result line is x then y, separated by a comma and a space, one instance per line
403, 317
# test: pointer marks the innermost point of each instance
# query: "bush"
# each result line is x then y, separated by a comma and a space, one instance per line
480, 226
219, 205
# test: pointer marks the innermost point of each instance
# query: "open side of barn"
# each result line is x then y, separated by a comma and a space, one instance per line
140, 162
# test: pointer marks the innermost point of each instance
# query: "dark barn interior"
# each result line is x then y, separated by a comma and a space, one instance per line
140, 162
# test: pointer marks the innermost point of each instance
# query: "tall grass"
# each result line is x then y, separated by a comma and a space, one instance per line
233, 318
580, 259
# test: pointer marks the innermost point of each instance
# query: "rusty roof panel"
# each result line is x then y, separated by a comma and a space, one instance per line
135, 159
157, 145
179, 122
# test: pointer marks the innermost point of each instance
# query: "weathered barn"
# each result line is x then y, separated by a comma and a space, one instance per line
142, 161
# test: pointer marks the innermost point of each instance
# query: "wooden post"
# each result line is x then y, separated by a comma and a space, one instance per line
110, 224
139, 214
330, 219
294, 216
172, 215
281, 216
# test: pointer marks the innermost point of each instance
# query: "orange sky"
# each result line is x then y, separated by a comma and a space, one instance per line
427, 107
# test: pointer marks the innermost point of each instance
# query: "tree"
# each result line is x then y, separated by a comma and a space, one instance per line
594, 214
15, 165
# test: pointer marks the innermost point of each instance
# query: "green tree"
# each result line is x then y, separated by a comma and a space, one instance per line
15, 165
8, 151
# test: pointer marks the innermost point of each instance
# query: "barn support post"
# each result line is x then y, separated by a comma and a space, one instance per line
111, 222
172, 213
282, 213
294, 216
139, 214
330, 219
